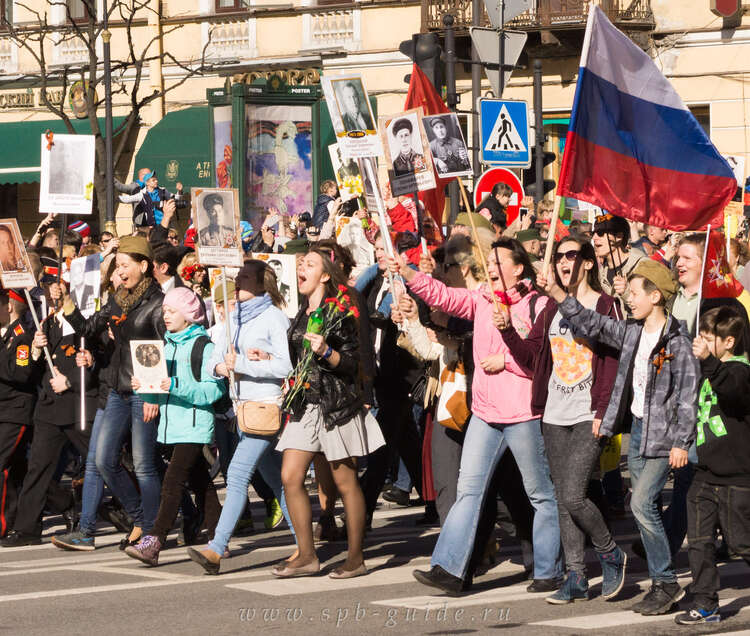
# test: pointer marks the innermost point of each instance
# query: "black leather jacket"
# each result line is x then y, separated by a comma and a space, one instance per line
340, 387
143, 322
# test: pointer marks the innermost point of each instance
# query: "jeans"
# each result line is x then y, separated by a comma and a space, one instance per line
186, 464
710, 505
403, 481
483, 447
93, 484
573, 453
122, 415
675, 516
252, 452
647, 479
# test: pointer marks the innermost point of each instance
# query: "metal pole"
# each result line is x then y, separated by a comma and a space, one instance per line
109, 162
539, 133
501, 7
39, 328
452, 99
476, 89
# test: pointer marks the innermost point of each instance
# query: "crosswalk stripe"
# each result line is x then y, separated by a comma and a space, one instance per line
613, 619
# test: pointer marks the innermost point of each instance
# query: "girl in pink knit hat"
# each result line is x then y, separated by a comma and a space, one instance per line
186, 418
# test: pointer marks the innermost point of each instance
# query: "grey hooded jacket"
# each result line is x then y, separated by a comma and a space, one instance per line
670, 404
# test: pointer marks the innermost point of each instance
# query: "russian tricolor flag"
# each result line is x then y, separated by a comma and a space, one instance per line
633, 147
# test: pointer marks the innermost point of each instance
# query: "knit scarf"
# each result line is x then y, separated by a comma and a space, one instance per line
515, 293
247, 310
127, 298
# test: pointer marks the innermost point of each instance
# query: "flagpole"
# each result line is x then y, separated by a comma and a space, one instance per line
39, 328
703, 272
386, 237
478, 244
551, 234
228, 328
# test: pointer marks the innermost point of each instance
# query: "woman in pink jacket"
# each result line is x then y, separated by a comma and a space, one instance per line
501, 418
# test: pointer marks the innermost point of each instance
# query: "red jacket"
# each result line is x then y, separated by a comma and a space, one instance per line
535, 354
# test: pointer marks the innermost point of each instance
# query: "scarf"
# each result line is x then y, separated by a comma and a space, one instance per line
247, 311
515, 293
126, 299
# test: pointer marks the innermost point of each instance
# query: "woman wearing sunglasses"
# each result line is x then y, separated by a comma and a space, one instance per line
572, 381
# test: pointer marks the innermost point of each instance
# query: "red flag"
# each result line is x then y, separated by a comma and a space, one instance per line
422, 93
718, 280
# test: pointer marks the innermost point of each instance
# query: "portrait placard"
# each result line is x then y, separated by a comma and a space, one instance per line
351, 115
407, 153
85, 283
15, 268
149, 364
216, 215
447, 145
67, 174
285, 268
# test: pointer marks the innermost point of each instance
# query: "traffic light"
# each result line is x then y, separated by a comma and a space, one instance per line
424, 49
529, 177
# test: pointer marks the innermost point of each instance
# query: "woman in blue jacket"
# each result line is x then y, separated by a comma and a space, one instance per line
259, 357
186, 422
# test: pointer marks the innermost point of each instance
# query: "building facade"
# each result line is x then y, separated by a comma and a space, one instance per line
195, 53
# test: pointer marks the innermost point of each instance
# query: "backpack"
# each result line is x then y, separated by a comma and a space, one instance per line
224, 403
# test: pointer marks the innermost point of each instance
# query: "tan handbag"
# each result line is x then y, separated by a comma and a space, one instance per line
258, 418
452, 409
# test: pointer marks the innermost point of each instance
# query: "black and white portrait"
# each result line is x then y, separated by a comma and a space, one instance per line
149, 364
67, 174
352, 104
85, 283
216, 217
447, 145
284, 267
408, 154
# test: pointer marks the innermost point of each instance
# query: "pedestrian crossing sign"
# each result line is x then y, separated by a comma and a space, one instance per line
505, 132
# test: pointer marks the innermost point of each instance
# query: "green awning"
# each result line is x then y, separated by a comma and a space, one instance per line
20, 161
178, 148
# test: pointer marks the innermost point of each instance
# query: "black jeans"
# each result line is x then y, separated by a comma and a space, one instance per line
710, 505
187, 464
38, 485
573, 453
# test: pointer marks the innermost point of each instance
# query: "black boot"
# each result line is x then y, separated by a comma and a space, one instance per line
439, 578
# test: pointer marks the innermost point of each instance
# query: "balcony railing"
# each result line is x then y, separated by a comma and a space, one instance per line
548, 14
8, 55
231, 40
70, 50
338, 28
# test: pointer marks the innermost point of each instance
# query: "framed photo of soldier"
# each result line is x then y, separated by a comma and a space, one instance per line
149, 364
216, 215
407, 152
15, 268
351, 115
67, 174
85, 283
447, 145
348, 177
284, 266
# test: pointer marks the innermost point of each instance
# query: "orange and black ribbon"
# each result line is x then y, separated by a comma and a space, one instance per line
661, 358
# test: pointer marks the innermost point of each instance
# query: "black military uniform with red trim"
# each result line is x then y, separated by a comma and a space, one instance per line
17, 397
56, 421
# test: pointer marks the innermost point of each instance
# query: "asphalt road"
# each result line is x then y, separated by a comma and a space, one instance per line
46, 591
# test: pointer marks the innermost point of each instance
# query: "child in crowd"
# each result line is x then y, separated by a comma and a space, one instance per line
186, 419
720, 493
656, 387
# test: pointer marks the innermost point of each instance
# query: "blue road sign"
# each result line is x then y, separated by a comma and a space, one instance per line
505, 132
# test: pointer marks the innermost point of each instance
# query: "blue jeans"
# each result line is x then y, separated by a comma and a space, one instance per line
647, 479
403, 481
122, 415
252, 452
482, 449
93, 484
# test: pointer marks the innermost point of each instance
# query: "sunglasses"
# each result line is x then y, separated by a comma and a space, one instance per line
172, 237
601, 232
570, 255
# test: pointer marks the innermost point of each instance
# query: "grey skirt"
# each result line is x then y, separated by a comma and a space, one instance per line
358, 437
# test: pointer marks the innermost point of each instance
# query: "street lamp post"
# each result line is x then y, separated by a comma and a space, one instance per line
109, 225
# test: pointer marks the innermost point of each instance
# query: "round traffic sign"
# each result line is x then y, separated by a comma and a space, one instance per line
489, 178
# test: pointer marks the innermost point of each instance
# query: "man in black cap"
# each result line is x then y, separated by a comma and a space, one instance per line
407, 161
213, 233
449, 153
